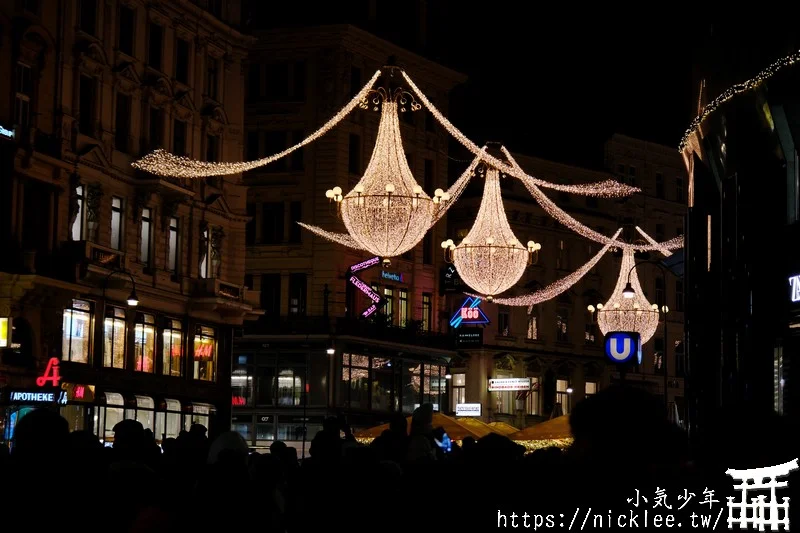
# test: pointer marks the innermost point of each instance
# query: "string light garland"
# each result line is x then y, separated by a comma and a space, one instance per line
387, 213
628, 314
604, 189
567, 220
652, 241
739, 88
557, 287
162, 163
490, 259
454, 192
340, 238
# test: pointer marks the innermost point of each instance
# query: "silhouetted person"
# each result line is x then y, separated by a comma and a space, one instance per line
392, 444
420, 442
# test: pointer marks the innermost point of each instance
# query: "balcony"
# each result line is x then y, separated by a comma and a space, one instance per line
233, 302
378, 331
89, 257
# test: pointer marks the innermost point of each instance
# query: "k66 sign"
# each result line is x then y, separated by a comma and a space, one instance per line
468, 313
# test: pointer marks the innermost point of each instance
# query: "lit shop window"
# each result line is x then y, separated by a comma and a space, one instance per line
144, 343
504, 400
172, 348
144, 412
77, 332
403, 307
459, 390
533, 326
562, 396
110, 415
354, 391
205, 353
290, 387
382, 384
114, 338
242, 386
168, 422
200, 414
590, 388
533, 397
434, 385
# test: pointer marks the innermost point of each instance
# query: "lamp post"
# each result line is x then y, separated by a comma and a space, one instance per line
629, 292
133, 300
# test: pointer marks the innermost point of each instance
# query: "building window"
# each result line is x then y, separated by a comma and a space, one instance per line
254, 82
459, 393
297, 294
242, 386
116, 222
388, 308
253, 144
503, 322
295, 216
562, 319
168, 422
562, 396
402, 307
299, 82
205, 353
590, 389
533, 397
212, 79
272, 221
250, 227
178, 137
504, 401
156, 128
205, 253
427, 249
590, 334
144, 343
154, 46
427, 311
201, 412
110, 415
127, 18
275, 143
659, 185
77, 332
562, 257
114, 338
354, 390
182, 61
660, 292
172, 245
290, 386
382, 379
212, 148
297, 159
277, 89
434, 386
87, 95
146, 232
533, 327
680, 362
355, 81
87, 13
122, 126
172, 349
77, 224
679, 189
659, 232
679, 296
658, 355
354, 154
24, 96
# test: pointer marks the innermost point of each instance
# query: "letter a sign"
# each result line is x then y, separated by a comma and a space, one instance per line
51, 374
623, 346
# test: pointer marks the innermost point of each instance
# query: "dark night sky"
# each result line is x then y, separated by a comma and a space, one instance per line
557, 82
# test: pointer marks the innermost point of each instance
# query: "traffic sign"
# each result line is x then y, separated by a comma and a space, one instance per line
624, 347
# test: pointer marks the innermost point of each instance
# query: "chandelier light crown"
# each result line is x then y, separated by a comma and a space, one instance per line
387, 213
490, 259
628, 309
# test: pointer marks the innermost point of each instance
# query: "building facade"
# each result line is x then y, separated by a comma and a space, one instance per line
297, 79
126, 286
558, 344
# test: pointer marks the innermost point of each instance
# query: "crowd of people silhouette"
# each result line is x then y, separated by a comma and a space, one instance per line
402, 480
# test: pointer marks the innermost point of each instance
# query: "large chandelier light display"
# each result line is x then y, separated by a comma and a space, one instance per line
387, 213
490, 259
628, 314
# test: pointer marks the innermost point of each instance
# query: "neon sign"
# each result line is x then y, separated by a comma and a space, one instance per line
203, 351
623, 346
366, 289
238, 401
376, 298
392, 276
51, 374
80, 392
794, 283
33, 397
7, 133
363, 265
469, 313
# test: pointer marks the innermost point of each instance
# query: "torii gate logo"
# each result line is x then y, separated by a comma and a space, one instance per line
759, 511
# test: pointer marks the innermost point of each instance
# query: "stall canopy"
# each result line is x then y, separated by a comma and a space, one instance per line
502, 428
555, 432
456, 429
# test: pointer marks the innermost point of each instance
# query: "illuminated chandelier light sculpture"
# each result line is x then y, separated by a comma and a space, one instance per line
490, 259
628, 314
387, 213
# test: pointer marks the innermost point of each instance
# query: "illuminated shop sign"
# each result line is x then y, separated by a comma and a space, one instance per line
468, 409
509, 384
363, 265
7, 133
470, 313
435, 406
238, 401
78, 393
623, 346
392, 276
51, 374
469, 337
376, 298
794, 286
33, 397
366, 289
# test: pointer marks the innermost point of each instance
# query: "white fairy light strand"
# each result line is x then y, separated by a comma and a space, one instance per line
162, 163
557, 287
739, 88
628, 314
567, 220
340, 238
490, 259
606, 189
653, 242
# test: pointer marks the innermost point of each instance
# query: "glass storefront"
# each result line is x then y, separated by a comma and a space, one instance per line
144, 339
205, 353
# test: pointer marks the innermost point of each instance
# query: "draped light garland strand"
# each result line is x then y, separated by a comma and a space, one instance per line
563, 217
739, 88
652, 241
340, 238
606, 189
558, 286
162, 163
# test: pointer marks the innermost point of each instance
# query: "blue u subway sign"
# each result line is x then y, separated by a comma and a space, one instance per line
624, 347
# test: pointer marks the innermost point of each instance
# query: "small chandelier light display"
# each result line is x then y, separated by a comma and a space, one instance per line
387, 213
490, 259
628, 309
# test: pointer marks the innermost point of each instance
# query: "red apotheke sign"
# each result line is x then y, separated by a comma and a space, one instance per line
51, 374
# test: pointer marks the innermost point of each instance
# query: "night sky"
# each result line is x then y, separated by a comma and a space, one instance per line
557, 83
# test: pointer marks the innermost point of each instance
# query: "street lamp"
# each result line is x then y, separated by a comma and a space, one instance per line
629, 292
132, 300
